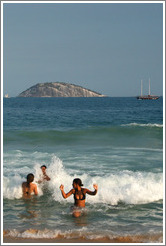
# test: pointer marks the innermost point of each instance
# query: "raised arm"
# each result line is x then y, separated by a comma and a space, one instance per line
92, 193
66, 195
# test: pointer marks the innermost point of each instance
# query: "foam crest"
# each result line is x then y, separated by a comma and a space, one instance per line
130, 188
12, 187
144, 125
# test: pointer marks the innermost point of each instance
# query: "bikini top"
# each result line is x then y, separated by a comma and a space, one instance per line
27, 190
80, 194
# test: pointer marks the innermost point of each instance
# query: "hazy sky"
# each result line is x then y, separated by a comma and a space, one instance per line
105, 47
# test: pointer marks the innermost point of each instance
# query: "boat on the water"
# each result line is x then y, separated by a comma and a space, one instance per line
147, 97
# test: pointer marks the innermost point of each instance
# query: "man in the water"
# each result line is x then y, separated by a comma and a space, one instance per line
45, 176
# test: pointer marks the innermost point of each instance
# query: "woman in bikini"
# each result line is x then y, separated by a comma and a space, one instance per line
28, 188
79, 195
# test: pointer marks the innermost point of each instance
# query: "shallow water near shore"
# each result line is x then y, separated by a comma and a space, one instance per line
114, 142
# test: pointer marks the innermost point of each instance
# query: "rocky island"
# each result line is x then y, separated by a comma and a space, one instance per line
58, 89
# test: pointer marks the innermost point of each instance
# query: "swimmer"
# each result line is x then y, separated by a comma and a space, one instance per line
79, 195
28, 188
45, 176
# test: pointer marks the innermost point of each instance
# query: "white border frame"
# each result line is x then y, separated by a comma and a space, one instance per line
44, 1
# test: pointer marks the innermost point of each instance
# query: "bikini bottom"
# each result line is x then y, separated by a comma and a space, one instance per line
79, 210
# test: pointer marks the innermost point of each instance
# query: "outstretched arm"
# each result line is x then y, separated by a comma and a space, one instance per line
65, 195
95, 186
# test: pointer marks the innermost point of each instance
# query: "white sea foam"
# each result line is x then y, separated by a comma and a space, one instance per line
125, 186
85, 234
144, 125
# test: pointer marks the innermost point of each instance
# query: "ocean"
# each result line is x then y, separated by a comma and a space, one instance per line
114, 142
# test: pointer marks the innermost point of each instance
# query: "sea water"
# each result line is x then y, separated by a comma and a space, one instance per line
114, 142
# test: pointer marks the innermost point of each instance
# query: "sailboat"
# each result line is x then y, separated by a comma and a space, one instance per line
147, 97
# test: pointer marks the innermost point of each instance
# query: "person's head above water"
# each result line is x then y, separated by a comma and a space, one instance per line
77, 182
30, 178
43, 168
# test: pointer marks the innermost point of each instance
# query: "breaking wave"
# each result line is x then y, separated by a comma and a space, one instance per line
124, 186
144, 125
83, 235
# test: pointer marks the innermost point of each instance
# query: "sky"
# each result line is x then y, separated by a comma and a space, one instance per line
105, 47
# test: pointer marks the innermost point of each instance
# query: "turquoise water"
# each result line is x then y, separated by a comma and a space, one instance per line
114, 142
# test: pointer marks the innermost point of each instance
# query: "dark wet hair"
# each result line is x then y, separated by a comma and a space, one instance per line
78, 181
43, 166
30, 178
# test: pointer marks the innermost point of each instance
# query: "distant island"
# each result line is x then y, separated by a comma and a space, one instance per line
58, 89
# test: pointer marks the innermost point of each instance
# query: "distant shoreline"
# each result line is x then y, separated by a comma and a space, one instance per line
77, 97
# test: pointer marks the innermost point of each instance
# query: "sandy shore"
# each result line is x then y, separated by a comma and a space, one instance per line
56, 240
126, 239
